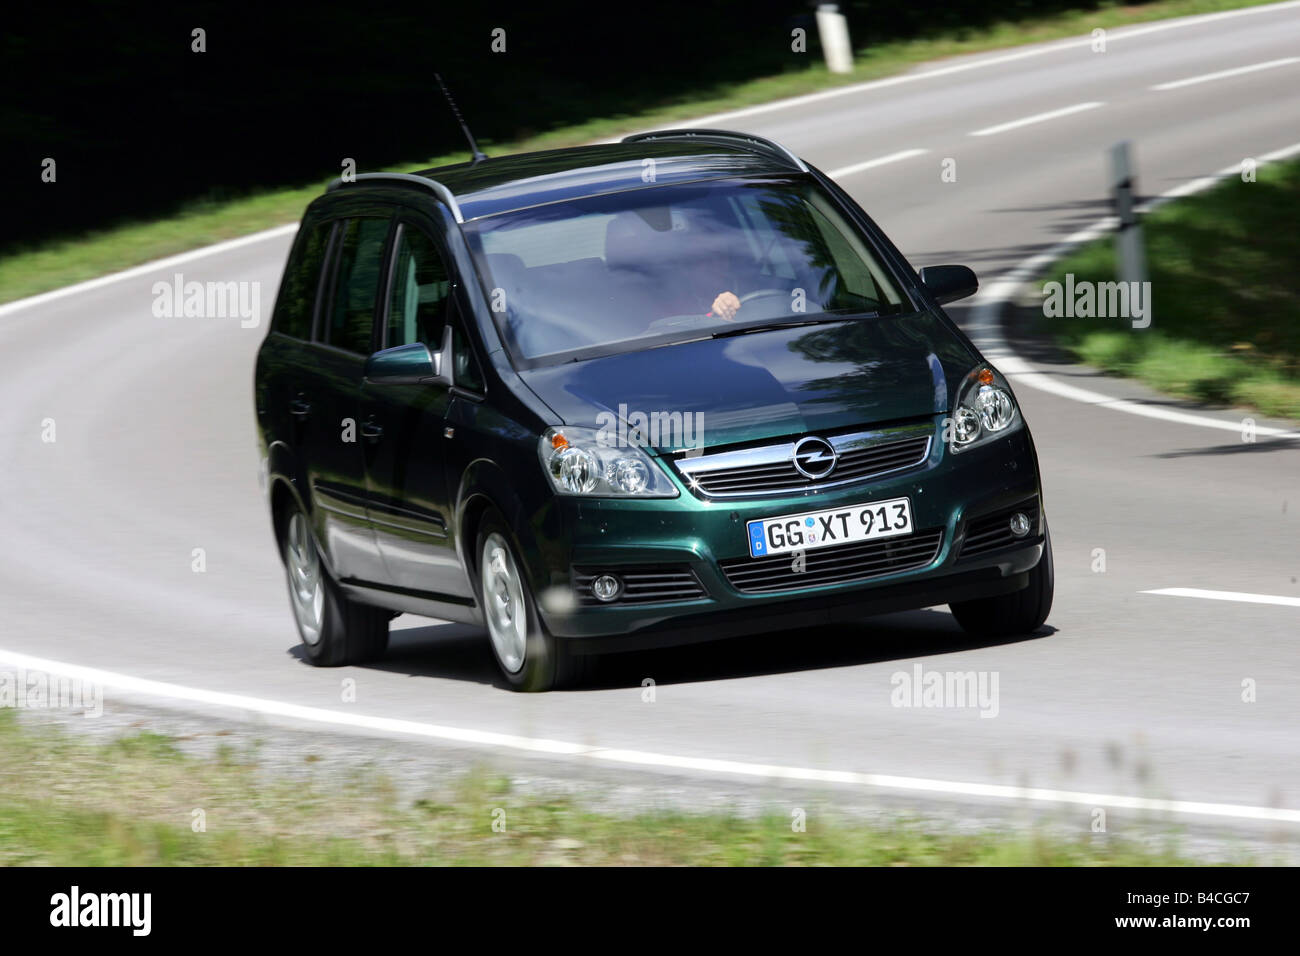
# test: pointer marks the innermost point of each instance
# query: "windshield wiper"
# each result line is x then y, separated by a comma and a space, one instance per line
793, 324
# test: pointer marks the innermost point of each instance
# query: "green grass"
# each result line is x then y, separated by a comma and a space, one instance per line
55, 264
66, 801
1225, 294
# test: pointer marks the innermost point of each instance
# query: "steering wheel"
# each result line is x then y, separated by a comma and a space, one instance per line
758, 293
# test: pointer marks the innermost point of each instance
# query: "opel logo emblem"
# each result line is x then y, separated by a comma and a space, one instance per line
814, 457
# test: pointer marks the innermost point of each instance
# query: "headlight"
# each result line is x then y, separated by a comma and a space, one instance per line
985, 410
584, 461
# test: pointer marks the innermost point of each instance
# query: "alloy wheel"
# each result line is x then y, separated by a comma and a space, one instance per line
503, 600
306, 584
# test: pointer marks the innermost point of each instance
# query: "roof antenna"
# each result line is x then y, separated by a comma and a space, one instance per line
477, 153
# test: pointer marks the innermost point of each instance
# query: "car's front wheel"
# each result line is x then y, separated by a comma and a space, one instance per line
334, 629
530, 659
1020, 612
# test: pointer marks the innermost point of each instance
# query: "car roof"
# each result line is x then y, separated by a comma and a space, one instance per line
507, 183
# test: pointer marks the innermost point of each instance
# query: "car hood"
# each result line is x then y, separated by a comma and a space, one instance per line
765, 384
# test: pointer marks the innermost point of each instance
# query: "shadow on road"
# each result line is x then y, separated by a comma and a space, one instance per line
460, 652
1238, 447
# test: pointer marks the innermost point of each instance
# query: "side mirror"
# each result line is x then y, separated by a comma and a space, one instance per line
949, 283
412, 364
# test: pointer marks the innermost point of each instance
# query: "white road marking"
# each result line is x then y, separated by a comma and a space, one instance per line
878, 161
640, 758
1242, 596
987, 331
1224, 74
1036, 118
148, 267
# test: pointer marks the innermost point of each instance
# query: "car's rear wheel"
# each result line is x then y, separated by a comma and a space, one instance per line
529, 658
1020, 612
334, 629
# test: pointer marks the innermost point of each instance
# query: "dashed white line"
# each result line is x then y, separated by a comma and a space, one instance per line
1224, 74
1242, 596
997, 59
1037, 118
878, 161
640, 758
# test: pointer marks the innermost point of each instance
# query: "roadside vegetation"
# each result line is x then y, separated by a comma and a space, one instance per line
1225, 291
69, 801
60, 263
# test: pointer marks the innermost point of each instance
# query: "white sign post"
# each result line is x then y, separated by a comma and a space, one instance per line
1129, 249
833, 29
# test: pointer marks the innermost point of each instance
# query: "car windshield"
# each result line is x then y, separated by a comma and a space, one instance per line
639, 268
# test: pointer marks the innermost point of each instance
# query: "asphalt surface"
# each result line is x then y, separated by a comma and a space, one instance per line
1127, 693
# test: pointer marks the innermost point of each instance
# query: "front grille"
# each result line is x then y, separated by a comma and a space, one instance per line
641, 585
839, 565
854, 464
992, 532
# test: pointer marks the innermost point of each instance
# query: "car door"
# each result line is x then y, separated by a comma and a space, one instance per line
284, 360
330, 398
404, 426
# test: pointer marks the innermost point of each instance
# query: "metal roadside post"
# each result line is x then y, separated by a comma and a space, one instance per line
1129, 250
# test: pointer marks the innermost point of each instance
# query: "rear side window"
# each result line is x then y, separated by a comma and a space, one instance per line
296, 304
356, 284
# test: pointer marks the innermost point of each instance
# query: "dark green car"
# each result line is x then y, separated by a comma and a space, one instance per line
604, 398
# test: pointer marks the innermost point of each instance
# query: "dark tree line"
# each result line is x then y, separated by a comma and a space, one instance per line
139, 124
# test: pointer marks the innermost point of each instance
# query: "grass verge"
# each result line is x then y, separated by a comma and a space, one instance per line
1225, 293
65, 801
56, 264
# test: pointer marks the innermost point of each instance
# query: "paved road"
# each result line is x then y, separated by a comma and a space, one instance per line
1131, 694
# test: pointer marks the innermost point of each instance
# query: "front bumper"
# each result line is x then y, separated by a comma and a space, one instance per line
948, 492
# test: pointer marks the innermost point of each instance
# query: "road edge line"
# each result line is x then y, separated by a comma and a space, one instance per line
644, 759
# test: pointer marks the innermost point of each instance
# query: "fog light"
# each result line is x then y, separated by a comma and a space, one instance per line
1020, 524
606, 587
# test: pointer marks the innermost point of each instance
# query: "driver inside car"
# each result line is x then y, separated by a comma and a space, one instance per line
679, 267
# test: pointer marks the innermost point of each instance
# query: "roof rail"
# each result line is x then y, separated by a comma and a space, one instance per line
442, 191
756, 143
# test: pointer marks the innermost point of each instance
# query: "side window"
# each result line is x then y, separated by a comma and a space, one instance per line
417, 305
356, 284
296, 303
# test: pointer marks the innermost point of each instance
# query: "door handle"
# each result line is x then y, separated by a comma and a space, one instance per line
371, 429
299, 407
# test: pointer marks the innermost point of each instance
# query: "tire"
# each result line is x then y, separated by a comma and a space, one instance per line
528, 657
1020, 612
334, 629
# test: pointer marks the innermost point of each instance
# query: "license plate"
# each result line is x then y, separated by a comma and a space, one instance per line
825, 529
